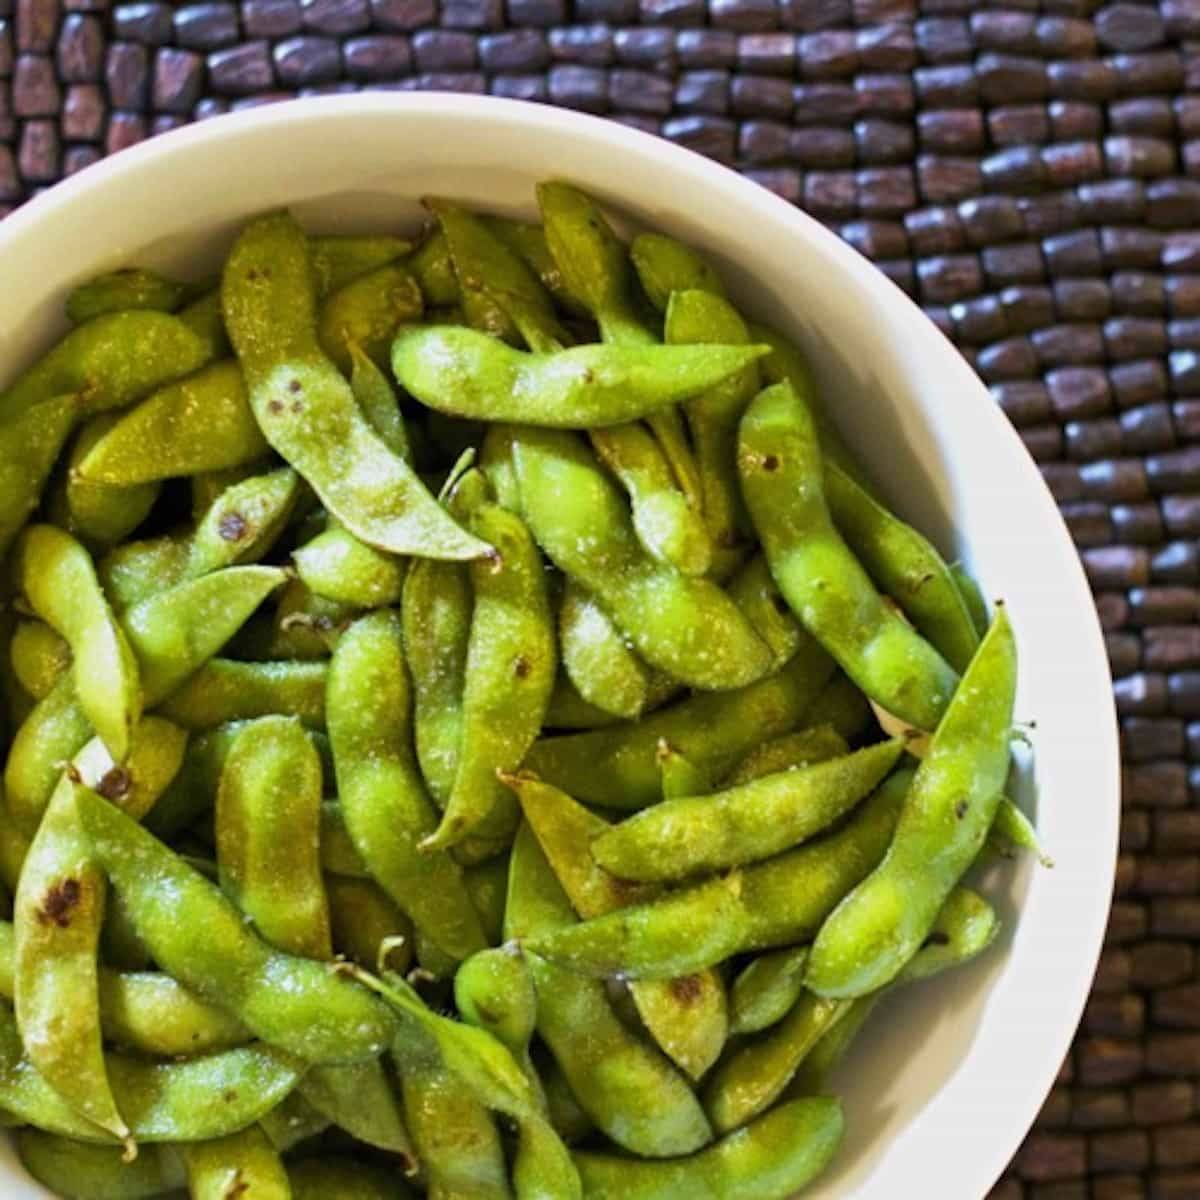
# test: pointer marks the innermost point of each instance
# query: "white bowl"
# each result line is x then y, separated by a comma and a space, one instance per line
944, 1084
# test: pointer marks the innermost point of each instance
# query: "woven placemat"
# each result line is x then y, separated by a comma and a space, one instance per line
1029, 172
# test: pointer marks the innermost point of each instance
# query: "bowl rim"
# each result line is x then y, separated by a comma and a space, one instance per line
1086, 943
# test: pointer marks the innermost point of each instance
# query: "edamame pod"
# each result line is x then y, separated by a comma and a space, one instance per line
685, 626
905, 564
335, 565
340, 259
366, 313
110, 362
766, 989
882, 923
193, 1100
30, 441
464, 373
384, 804
268, 835
289, 1002
225, 689
242, 1163
359, 1099
687, 1016
528, 239
775, 903
363, 917
665, 265
780, 466
122, 291
81, 1171
972, 596
102, 514
510, 668
697, 317
606, 672
56, 576
39, 657
693, 835
201, 423
608, 1069
174, 632
434, 270
377, 398
618, 768
307, 411
800, 749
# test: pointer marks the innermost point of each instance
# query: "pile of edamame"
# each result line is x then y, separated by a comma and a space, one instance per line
445, 686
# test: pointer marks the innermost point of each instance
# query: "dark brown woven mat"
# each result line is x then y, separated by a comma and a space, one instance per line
1030, 172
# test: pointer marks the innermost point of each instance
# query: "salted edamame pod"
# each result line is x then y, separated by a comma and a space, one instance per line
268, 835
30, 441
605, 671
766, 989
227, 689
290, 1002
121, 291
665, 265
685, 626
878, 927
56, 576
691, 835
201, 423
82, 1171
366, 312
779, 463
39, 657
339, 259
464, 373
800, 749
307, 411
383, 801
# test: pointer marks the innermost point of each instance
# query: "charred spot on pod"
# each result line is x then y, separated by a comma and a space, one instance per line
238, 1186
229, 1095
522, 667
770, 462
687, 989
115, 784
294, 386
960, 809
231, 526
59, 903
937, 938
275, 406
589, 376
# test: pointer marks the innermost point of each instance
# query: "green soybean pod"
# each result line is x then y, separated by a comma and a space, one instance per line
485, 266
339, 259
774, 1157
30, 442
695, 317
192, 1100
681, 776
868, 939
338, 853
377, 398
665, 265
700, 834
528, 240
786, 753
205, 319
307, 411
487, 885
344, 1179
510, 667
905, 564
607, 1068
56, 576
434, 270
436, 618
685, 626
359, 1099
568, 1118
972, 596
201, 423
766, 989
337, 566
688, 1015
568, 711
55, 730
268, 835
175, 631
101, 514
366, 923
111, 362
240, 1164
780, 465
844, 709
226, 689
605, 671
775, 903
39, 657
366, 313
121, 291
386, 810
293, 1003
81, 1171
464, 373
291, 1122
618, 767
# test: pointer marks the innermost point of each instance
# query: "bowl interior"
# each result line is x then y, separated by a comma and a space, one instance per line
950, 1073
